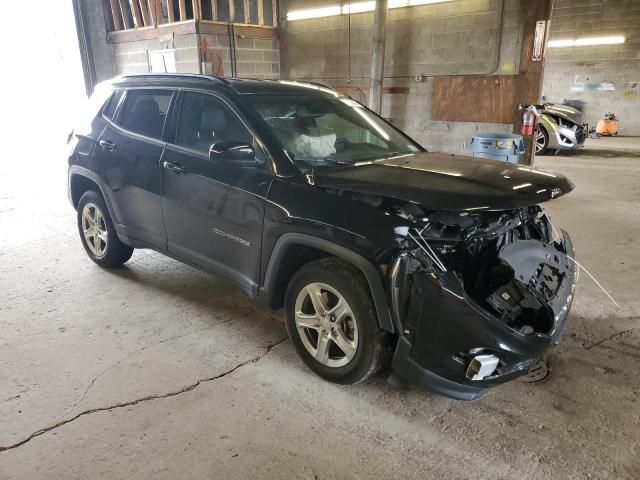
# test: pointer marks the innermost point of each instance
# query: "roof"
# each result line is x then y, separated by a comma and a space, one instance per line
239, 85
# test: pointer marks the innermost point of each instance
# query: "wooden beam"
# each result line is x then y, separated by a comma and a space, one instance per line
144, 8
232, 11
183, 10
150, 33
137, 16
529, 85
170, 13
249, 31
124, 6
197, 13
214, 9
260, 12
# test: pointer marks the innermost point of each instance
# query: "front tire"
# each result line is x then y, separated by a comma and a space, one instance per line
332, 322
97, 233
542, 141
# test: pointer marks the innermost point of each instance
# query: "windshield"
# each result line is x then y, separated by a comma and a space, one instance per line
323, 131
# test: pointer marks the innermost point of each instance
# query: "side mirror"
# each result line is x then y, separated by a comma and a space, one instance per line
232, 151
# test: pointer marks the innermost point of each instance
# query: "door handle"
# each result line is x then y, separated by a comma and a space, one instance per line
174, 167
107, 145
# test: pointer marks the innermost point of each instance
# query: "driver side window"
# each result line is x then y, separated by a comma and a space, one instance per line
204, 121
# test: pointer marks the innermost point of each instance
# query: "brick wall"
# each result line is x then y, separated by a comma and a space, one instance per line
576, 73
458, 37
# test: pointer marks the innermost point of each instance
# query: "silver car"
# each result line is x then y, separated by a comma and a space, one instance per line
560, 127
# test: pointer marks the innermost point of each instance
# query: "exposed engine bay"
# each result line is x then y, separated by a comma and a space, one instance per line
485, 251
510, 262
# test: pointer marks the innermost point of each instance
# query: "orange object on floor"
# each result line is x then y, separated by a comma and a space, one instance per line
608, 125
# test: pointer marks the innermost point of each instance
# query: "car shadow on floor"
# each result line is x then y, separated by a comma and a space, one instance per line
191, 285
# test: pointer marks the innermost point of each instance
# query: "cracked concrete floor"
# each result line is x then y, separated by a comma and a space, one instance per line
160, 371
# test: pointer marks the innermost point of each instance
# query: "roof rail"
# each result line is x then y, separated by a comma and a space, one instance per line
318, 84
176, 75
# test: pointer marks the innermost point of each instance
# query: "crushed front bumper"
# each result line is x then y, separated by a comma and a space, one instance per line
442, 324
563, 138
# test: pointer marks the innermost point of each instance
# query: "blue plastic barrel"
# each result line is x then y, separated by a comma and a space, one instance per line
498, 146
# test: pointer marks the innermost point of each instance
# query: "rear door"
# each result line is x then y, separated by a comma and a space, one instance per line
213, 211
127, 160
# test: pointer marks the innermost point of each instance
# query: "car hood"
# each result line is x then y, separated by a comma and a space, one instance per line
565, 111
446, 182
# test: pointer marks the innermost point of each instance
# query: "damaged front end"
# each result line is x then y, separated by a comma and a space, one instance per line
479, 296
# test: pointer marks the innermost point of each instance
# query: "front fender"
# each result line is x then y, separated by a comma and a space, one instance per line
371, 274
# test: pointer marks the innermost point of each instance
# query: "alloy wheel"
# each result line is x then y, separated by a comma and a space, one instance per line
326, 325
540, 141
94, 229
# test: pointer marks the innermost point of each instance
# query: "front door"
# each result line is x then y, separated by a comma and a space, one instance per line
213, 211
127, 160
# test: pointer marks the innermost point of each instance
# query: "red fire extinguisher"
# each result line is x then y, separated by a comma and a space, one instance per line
528, 122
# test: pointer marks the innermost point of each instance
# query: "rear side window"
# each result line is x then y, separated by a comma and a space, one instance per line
144, 112
110, 107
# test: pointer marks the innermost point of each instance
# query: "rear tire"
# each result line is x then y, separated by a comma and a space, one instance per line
542, 141
97, 233
342, 342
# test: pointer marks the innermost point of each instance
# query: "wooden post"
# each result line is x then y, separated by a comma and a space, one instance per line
377, 57
183, 10
144, 8
158, 12
247, 11
274, 6
197, 14
232, 11
529, 82
214, 9
170, 14
116, 15
124, 5
260, 12
135, 11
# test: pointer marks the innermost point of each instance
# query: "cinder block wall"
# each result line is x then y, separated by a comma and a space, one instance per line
133, 57
459, 37
578, 73
102, 54
255, 57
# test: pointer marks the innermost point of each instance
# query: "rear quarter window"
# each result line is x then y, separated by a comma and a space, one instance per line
91, 109
109, 109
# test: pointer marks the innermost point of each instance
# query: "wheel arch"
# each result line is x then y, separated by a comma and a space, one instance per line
293, 250
79, 184
80, 181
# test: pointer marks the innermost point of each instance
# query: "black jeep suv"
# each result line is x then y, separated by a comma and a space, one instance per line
308, 200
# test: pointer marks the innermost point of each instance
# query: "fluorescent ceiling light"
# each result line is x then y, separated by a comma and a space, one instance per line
356, 7
584, 42
314, 13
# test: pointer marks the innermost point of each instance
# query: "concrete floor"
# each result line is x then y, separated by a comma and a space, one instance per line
160, 371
